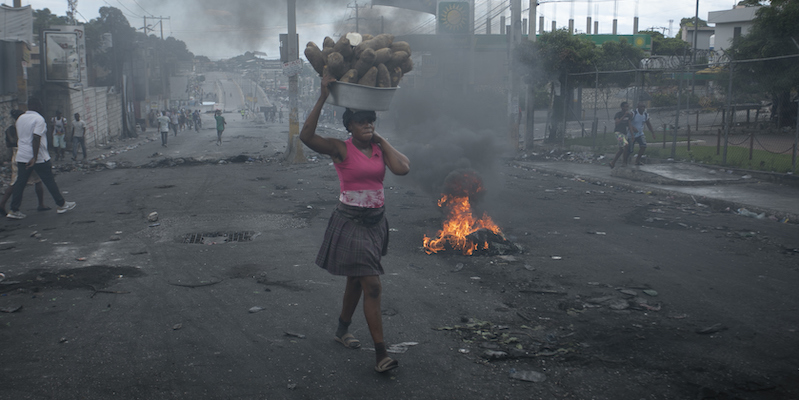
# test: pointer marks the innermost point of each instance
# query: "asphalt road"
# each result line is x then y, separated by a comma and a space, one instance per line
116, 306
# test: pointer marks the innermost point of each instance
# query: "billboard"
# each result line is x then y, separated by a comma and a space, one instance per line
453, 17
62, 58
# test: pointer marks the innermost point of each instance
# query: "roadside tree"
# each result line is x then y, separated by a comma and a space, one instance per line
773, 34
550, 60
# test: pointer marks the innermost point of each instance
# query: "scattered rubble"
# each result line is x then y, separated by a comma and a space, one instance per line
529, 376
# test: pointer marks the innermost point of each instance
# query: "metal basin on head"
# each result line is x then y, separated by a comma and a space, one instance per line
359, 97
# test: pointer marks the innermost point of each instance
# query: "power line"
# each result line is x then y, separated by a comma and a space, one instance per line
137, 3
129, 10
127, 15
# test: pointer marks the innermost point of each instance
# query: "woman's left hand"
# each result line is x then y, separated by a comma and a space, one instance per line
376, 138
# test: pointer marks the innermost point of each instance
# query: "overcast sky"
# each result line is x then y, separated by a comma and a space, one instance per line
222, 29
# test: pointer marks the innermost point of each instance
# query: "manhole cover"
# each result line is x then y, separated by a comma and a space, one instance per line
218, 237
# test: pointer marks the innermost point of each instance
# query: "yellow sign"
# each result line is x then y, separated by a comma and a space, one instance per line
453, 17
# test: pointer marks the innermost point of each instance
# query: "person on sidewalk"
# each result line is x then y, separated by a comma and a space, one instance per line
637, 121
174, 121
78, 137
163, 127
195, 116
357, 232
11, 144
622, 120
32, 156
220, 126
59, 124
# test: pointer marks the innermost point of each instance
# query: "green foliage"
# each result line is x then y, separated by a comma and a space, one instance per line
663, 46
737, 157
554, 55
43, 19
127, 43
689, 21
750, 3
617, 56
771, 35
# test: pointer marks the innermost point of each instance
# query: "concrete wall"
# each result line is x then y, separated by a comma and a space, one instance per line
726, 21
7, 103
702, 41
102, 112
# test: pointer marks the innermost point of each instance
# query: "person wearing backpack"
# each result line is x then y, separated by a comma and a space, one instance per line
637, 121
11, 144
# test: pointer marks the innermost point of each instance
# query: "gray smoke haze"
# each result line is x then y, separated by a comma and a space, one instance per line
450, 123
223, 29
447, 134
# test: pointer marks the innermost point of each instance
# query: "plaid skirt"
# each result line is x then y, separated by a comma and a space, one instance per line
355, 240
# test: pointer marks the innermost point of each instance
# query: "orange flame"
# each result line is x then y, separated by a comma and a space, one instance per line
459, 224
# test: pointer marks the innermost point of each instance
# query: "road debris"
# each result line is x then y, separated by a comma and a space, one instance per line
746, 213
619, 304
153, 216
177, 327
292, 334
400, 348
494, 355
11, 309
711, 329
529, 376
255, 309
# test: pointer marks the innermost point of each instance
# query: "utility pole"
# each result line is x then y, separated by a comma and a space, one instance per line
529, 132
357, 16
294, 153
513, 78
73, 8
160, 22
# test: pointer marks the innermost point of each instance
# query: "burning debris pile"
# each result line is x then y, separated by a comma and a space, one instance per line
462, 231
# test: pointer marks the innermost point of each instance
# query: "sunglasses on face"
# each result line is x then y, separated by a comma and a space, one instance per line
363, 120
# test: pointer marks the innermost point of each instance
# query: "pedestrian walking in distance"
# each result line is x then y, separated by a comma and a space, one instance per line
32, 156
174, 121
637, 120
78, 137
622, 120
357, 233
163, 127
220, 126
59, 123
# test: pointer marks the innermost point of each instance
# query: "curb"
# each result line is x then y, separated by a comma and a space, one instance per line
715, 204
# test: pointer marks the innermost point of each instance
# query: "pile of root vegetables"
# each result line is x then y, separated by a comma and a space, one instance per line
376, 61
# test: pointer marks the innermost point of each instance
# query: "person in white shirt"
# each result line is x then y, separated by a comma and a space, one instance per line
78, 137
638, 119
174, 121
59, 123
163, 127
32, 155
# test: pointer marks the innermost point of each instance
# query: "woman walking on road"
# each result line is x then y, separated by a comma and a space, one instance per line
357, 233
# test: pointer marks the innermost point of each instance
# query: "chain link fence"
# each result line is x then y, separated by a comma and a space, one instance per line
700, 112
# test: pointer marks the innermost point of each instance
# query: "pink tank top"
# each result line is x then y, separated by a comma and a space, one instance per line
361, 178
